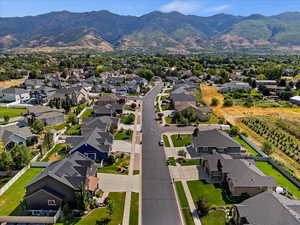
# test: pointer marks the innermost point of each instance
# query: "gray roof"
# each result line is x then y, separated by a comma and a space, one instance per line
71, 171
270, 208
38, 110
182, 97
108, 108
214, 138
7, 132
15, 91
102, 122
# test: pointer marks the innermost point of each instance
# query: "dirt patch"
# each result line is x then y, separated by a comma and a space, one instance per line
9, 83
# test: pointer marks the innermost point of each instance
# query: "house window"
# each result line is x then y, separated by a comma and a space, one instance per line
51, 202
91, 155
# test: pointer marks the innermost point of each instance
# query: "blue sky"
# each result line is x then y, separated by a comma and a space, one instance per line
10, 8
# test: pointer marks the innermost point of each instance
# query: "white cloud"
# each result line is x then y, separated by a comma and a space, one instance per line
182, 6
218, 8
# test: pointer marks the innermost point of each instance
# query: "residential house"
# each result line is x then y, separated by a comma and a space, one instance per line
268, 208
108, 110
93, 143
61, 183
120, 91
182, 101
109, 99
48, 115
203, 113
14, 135
266, 82
77, 95
33, 83
17, 95
104, 123
295, 100
240, 176
211, 141
234, 86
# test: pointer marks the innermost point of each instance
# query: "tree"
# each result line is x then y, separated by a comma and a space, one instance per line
37, 126
214, 101
145, 73
6, 118
202, 207
234, 130
228, 102
196, 132
6, 161
48, 141
21, 156
267, 148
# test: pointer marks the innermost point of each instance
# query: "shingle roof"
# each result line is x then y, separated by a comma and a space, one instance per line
71, 171
182, 97
270, 208
214, 138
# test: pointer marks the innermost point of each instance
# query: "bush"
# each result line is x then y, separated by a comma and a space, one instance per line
267, 148
228, 102
214, 102
234, 130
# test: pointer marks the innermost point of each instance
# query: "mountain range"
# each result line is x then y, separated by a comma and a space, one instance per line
173, 32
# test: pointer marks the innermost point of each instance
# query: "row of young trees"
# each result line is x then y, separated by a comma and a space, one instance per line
275, 136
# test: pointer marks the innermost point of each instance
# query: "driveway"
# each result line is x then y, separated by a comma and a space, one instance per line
118, 183
121, 146
186, 173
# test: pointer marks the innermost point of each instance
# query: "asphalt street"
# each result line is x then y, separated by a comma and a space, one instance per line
159, 206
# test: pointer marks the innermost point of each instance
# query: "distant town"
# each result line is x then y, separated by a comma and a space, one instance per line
149, 139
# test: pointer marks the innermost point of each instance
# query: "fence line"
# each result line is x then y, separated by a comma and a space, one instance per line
17, 176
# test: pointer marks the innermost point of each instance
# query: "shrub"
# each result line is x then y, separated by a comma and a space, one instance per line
214, 102
228, 102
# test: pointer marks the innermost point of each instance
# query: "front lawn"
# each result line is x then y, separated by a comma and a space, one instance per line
249, 149
120, 166
134, 209
190, 162
181, 140
166, 141
98, 215
128, 119
87, 114
124, 135
11, 199
12, 112
73, 130
214, 218
281, 180
185, 208
212, 194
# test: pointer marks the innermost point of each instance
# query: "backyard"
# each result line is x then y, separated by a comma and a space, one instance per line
12, 112
87, 114
269, 170
74, 130
249, 149
181, 140
55, 154
11, 199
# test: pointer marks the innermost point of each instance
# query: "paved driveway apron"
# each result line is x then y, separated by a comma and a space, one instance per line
159, 205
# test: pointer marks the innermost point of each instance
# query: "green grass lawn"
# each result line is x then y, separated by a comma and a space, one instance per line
190, 162
134, 209
56, 149
209, 192
168, 120
249, 149
185, 139
128, 119
123, 136
198, 94
166, 141
213, 119
165, 107
114, 168
73, 130
87, 114
214, 218
281, 180
98, 215
184, 204
55, 127
167, 91
12, 112
10, 200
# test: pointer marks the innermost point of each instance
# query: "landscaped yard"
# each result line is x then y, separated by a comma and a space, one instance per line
55, 127
98, 215
123, 135
281, 180
73, 130
184, 204
249, 149
134, 209
190, 162
166, 141
214, 218
11, 199
87, 114
116, 168
128, 119
51, 155
181, 140
198, 94
209, 192
12, 112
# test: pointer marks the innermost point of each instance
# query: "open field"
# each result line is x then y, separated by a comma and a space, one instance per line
11, 199
11, 112
9, 83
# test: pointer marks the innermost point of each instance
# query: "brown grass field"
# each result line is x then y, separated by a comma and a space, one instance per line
9, 83
235, 113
